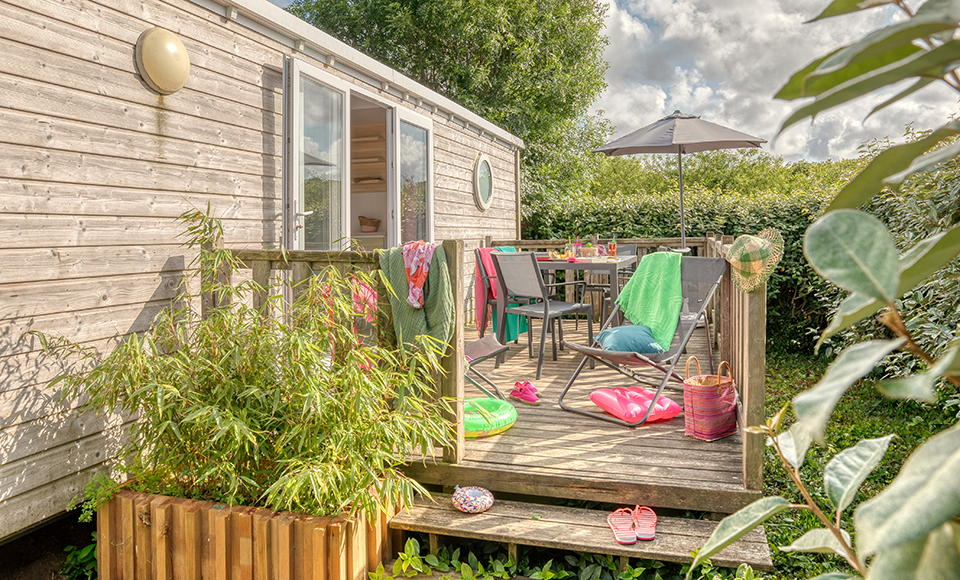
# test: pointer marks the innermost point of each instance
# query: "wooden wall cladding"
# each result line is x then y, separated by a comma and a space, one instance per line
143, 536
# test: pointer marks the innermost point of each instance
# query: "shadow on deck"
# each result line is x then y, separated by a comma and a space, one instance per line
552, 453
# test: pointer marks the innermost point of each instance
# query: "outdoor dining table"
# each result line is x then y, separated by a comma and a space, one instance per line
609, 267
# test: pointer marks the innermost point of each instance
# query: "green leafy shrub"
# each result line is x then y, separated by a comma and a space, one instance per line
306, 413
80, 563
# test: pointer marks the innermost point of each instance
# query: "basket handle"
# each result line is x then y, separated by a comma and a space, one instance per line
696, 360
720, 376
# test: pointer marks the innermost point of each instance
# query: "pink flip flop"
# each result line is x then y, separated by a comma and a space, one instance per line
644, 522
621, 522
525, 396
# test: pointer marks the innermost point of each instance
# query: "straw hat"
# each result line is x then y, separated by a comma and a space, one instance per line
753, 258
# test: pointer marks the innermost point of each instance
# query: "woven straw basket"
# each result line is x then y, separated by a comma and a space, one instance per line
709, 404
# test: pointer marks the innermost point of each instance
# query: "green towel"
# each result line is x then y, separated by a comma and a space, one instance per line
653, 296
437, 316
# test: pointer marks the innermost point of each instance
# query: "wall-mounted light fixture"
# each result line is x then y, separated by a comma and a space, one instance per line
162, 60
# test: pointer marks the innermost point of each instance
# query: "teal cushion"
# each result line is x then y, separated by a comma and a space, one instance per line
629, 338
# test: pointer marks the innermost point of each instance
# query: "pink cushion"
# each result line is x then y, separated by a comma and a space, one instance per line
630, 404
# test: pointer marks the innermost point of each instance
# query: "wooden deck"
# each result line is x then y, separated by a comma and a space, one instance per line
552, 453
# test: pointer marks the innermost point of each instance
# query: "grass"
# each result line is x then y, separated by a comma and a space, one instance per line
862, 413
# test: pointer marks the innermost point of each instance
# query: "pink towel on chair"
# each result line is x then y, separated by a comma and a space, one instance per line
479, 299
416, 259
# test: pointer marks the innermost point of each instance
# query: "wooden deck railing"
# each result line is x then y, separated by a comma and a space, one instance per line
263, 265
738, 324
739, 328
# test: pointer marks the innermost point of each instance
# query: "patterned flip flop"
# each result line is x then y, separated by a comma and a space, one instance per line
621, 522
644, 522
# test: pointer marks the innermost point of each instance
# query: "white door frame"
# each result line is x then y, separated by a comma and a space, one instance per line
406, 116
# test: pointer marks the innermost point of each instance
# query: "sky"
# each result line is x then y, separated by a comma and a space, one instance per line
725, 59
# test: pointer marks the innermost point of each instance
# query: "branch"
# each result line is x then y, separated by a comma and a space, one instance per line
812, 506
892, 320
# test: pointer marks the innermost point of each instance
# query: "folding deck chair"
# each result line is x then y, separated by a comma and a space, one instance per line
479, 351
699, 278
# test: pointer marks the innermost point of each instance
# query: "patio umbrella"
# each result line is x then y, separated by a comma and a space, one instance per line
679, 133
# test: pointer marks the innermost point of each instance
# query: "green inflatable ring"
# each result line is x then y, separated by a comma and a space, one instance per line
483, 416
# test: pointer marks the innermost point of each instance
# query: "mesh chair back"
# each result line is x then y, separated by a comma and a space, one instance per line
698, 276
519, 274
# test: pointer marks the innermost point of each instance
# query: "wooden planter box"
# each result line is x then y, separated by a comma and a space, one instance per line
142, 536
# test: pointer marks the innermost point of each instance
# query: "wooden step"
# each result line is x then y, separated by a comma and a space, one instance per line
577, 530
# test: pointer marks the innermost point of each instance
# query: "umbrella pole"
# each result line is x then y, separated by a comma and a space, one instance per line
683, 228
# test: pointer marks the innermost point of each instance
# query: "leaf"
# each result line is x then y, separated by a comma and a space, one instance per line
814, 406
839, 7
854, 250
915, 265
821, 541
919, 387
805, 84
735, 526
869, 182
924, 495
920, 84
794, 444
848, 469
932, 557
934, 16
934, 63
832, 576
925, 163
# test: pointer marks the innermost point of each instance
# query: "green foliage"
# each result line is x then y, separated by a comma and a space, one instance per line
80, 563
908, 529
534, 68
306, 414
538, 564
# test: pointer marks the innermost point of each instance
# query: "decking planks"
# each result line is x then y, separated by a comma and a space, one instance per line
579, 530
550, 452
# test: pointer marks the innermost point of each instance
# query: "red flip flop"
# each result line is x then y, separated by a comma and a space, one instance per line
644, 522
621, 522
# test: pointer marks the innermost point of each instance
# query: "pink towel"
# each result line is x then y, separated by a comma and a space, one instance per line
416, 259
479, 299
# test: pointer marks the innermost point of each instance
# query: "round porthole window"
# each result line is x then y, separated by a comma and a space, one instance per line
482, 183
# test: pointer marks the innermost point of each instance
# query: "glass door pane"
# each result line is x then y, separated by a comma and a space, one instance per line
414, 157
321, 153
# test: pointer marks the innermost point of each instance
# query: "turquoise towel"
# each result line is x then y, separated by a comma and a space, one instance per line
653, 296
516, 324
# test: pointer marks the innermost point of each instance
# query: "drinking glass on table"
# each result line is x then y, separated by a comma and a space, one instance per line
612, 248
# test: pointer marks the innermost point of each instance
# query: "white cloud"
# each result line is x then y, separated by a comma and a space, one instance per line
725, 59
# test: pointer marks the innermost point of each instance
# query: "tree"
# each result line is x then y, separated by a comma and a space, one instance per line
911, 529
532, 67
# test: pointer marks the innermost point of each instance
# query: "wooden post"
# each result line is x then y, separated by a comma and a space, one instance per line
487, 241
451, 385
754, 392
261, 279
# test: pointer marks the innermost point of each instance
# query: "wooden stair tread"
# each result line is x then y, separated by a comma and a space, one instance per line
578, 530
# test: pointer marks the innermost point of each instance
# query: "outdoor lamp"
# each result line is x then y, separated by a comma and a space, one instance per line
162, 60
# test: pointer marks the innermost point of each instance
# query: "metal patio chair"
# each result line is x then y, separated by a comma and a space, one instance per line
518, 276
477, 352
699, 279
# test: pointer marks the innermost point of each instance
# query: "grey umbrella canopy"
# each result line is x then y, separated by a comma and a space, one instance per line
679, 133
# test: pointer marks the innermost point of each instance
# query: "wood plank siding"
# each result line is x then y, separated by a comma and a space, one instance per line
95, 168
